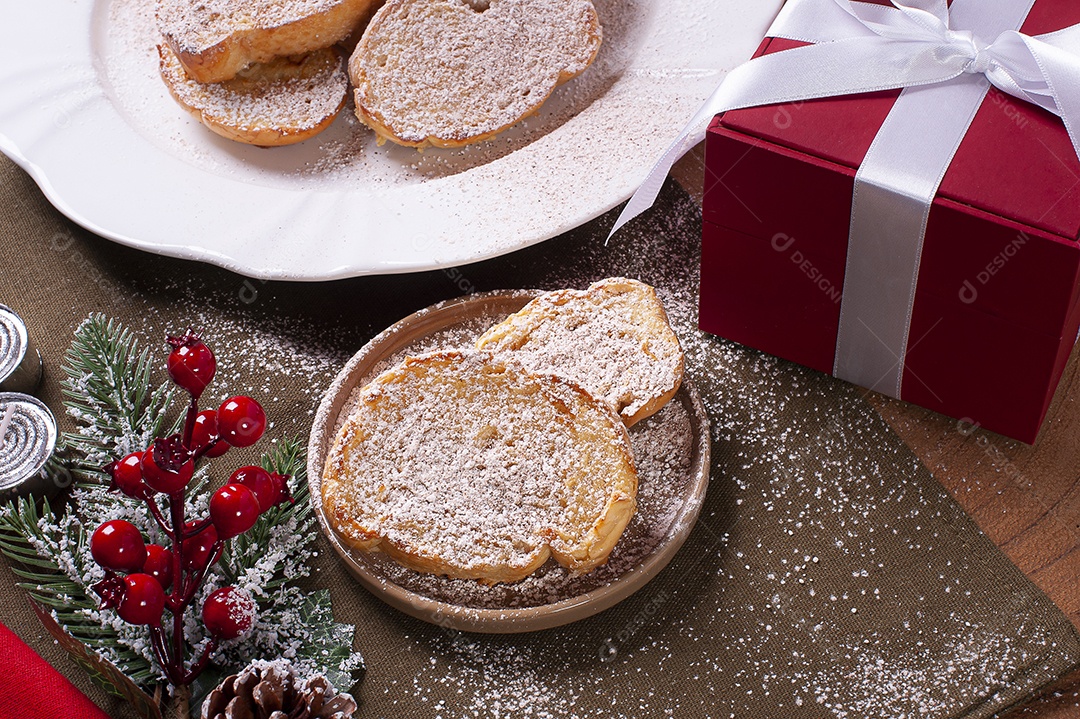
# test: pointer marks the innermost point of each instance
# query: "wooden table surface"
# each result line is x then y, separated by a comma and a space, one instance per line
1025, 498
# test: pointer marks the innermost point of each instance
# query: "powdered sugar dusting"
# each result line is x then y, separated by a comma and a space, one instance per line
346, 155
198, 25
577, 156
814, 510
663, 453
828, 576
453, 71
665, 450
285, 96
612, 338
475, 468
906, 686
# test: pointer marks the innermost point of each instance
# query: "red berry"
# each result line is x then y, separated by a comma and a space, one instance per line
158, 564
241, 421
118, 545
166, 466
205, 432
228, 613
127, 476
234, 509
281, 481
259, 481
143, 601
191, 363
197, 549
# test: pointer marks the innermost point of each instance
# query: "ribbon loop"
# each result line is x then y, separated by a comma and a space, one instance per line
864, 47
939, 9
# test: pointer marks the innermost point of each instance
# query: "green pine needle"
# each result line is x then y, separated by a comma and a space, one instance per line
21, 534
109, 390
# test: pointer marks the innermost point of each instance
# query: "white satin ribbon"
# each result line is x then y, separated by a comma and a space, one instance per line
941, 55
894, 191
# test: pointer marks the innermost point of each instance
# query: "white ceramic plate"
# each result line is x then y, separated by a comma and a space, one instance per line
83, 111
671, 451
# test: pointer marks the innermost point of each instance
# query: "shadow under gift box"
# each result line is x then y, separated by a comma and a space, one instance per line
996, 309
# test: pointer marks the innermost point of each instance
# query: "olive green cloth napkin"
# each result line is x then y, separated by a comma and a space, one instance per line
829, 574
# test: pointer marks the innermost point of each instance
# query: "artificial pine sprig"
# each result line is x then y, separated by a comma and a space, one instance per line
39, 543
244, 553
110, 392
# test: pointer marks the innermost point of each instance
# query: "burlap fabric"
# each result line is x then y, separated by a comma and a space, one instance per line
829, 574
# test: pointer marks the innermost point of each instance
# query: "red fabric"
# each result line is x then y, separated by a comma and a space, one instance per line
31, 689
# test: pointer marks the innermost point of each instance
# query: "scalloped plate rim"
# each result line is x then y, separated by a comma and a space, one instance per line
204, 220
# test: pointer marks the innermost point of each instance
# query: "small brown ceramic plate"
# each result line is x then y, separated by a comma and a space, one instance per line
671, 450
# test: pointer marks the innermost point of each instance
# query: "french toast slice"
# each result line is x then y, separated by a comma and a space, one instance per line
281, 102
215, 39
452, 72
459, 464
612, 339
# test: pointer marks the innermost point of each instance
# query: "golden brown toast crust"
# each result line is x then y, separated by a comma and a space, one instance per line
455, 463
453, 72
215, 39
281, 102
613, 339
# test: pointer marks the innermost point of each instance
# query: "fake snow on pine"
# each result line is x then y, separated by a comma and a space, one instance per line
281, 628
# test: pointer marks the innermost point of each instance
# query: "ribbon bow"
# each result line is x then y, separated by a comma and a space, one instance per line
860, 47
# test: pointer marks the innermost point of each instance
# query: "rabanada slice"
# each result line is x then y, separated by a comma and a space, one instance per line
454, 463
280, 102
452, 72
612, 339
215, 39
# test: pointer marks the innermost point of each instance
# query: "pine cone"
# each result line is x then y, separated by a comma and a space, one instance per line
271, 691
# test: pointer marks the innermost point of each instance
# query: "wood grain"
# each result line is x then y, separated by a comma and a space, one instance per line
1025, 498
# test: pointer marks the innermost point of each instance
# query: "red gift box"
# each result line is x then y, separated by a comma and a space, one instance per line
996, 310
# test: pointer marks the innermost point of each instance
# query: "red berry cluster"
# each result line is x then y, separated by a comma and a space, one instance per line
144, 581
